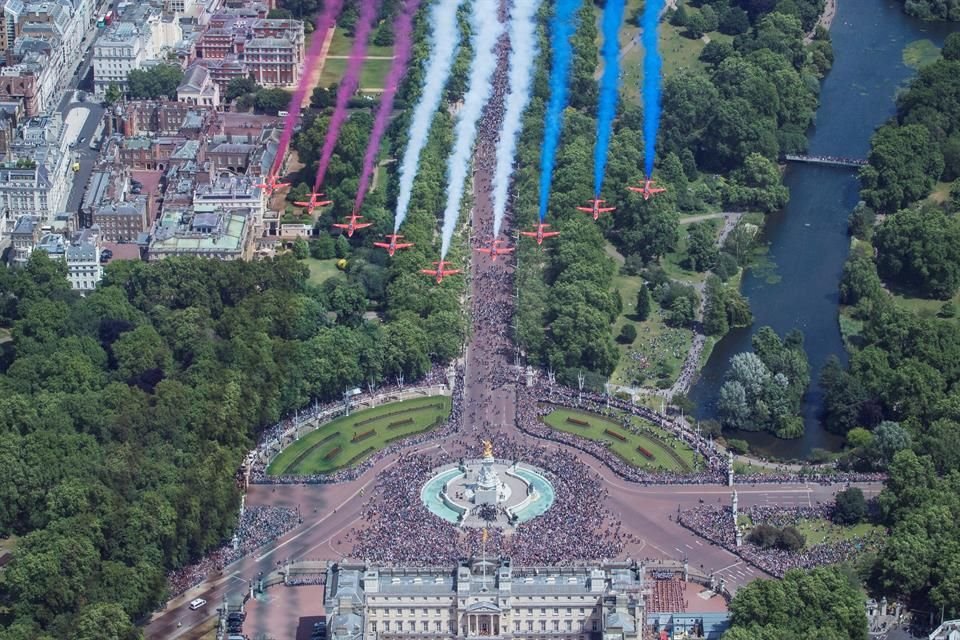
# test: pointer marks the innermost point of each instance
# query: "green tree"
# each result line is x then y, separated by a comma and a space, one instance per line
643, 303
850, 507
904, 164
819, 603
160, 81
951, 47
701, 247
301, 249
271, 101
918, 249
240, 87
113, 94
628, 333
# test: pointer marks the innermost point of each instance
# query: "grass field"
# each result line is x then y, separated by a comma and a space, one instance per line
822, 530
667, 453
372, 74
322, 270
8, 545
5, 335
351, 439
661, 349
341, 44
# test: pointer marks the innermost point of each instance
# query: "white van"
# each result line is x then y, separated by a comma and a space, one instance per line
282, 114
197, 603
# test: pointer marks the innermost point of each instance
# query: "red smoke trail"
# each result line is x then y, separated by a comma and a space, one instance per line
348, 86
331, 9
402, 30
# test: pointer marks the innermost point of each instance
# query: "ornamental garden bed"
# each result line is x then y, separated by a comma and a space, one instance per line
357, 437
618, 436
579, 423
646, 454
333, 453
400, 423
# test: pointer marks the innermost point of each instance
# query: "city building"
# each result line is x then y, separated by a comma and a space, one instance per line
117, 52
82, 255
231, 192
122, 221
32, 79
198, 88
12, 10
268, 50
23, 238
483, 597
205, 232
35, 176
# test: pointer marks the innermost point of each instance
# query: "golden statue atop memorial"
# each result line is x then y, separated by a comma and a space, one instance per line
487, 448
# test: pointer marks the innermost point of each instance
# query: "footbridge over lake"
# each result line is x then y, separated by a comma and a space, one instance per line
830, 161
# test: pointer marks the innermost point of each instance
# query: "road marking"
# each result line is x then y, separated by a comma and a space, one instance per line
698, 542
687, 546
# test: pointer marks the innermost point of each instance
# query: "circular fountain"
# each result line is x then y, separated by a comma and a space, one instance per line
488, 492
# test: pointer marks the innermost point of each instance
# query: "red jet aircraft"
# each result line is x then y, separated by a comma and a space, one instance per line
495, 250
595, 209
393, 245
314, 202
271, 183
647, 189
540, 233
440, 272
352, 225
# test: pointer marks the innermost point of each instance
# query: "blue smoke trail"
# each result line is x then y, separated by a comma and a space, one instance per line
609, 89
651, 82
562, 28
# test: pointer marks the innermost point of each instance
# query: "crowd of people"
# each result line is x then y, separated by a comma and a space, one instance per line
256, 527
398, 530
715, 523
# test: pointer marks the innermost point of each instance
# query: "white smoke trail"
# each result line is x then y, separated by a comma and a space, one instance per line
445, 37
486, 28
523, 53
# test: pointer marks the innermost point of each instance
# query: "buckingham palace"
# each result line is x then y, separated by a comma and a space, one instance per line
485, 597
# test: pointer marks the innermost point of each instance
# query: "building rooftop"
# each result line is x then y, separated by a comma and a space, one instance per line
178, 231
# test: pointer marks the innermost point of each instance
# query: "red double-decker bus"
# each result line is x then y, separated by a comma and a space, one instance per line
108, 19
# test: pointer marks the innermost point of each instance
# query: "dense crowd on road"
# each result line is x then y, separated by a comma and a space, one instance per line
715, 523
256, 527
399, 529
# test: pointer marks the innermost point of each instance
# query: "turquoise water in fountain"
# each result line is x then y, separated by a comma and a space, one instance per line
430, 495
543, 487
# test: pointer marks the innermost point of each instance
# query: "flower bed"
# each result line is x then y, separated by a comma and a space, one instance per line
646, 454
579, 423
400, 423
618, 436
333, 453
357, 437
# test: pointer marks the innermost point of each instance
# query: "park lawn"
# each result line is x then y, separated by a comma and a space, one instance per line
672, 263
5, 335
372, 74
624, 449
665, 348
312, 453
342, 43
744, 468
821, 530
322, 270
